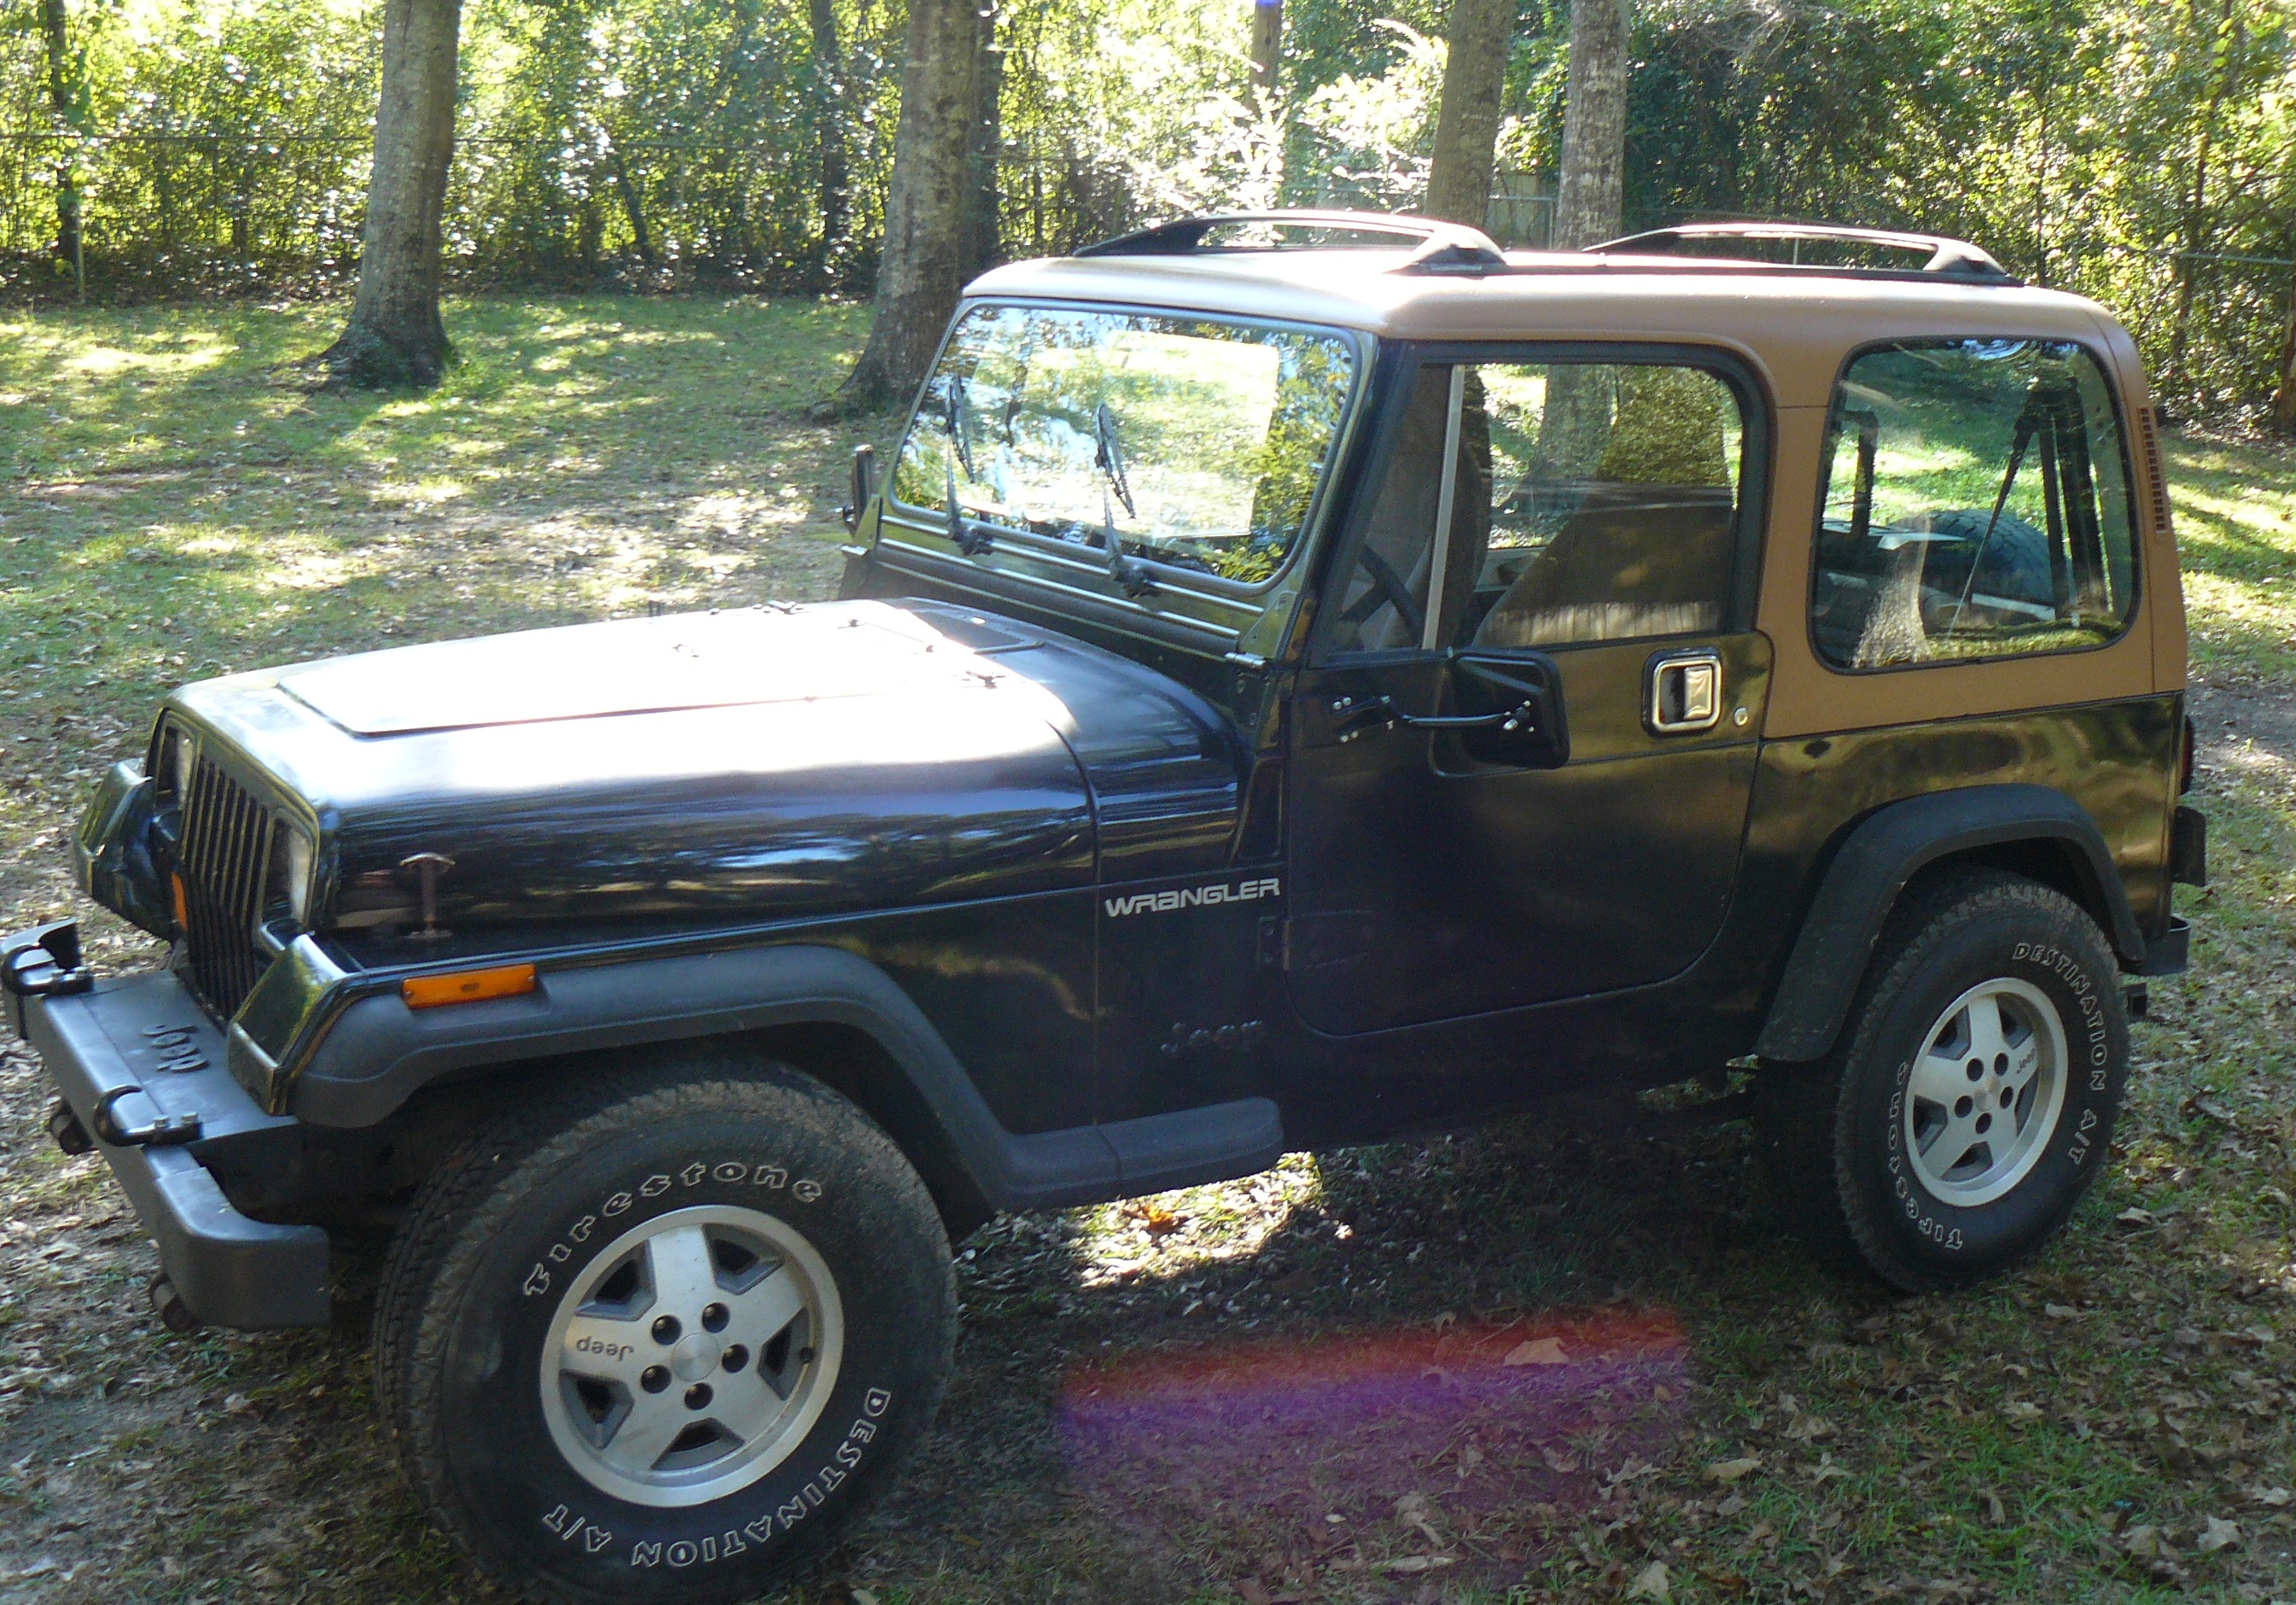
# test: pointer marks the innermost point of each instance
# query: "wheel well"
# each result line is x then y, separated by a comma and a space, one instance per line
851, 1061
2052, 860
844, 1057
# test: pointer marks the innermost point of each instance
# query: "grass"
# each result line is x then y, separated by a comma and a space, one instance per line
1174, 1398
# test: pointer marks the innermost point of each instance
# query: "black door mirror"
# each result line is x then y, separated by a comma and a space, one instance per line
865, 485
1517, 702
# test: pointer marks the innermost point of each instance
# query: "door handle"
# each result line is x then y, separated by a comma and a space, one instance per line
1375, 713
1682, 692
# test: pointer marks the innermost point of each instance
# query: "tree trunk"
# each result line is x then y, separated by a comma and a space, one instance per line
395, 336
1266, 43
2283, 393
1467, 123
63, 101
1589, 201
982, 239
829, 100
922, 267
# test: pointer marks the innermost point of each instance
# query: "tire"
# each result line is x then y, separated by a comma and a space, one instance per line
578, 1284
1870, 1158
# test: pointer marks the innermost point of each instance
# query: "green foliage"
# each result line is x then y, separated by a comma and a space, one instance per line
2121, 148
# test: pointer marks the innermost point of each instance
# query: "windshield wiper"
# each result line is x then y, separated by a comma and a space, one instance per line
953, 407
1109, 457
971, 541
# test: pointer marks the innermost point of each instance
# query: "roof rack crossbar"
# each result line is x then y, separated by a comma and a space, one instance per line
1442, 247
1956, 259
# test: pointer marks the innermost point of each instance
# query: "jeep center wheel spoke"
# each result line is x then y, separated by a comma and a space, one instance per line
692, 1356
1984, 1092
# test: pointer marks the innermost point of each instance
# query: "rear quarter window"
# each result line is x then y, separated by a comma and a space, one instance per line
1975, 504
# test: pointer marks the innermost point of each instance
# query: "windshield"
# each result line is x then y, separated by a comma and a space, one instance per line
1199, 443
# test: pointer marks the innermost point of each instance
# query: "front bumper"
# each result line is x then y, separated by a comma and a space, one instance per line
143, 1069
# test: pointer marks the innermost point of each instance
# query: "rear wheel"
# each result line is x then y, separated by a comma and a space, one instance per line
1972, 1092
661, 1340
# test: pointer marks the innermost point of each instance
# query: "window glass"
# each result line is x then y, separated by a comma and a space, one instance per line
1976, 503
1192, 442
1589, 502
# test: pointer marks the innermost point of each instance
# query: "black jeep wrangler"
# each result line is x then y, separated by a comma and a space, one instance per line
1307, 678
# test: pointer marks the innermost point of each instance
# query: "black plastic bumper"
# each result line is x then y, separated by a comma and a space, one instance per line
135, 1058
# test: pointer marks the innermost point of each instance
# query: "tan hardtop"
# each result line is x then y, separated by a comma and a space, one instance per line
1795, 327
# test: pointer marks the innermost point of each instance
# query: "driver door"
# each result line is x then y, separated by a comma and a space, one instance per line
1524, 744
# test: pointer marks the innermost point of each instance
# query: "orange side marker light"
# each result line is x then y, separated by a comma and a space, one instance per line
183, 903
467, 986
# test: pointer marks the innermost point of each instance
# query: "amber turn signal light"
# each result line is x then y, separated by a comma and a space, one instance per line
183, 903
467, 986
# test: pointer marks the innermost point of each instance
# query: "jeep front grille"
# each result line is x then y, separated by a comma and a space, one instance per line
226, 850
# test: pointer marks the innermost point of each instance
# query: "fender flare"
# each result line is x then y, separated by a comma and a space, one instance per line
378, 1053
1882, 853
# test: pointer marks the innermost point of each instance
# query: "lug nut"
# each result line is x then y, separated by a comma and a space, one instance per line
714, 1318
654, 1377
665, 1330
697, 1397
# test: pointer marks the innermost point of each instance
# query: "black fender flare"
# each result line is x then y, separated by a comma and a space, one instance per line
1885, 850
378, 1053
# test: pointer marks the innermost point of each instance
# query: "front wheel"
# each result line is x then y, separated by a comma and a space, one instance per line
661, 1341
1972, 1095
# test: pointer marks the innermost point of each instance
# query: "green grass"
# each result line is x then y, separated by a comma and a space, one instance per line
172, 503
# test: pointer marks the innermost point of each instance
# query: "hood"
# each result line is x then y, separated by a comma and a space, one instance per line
723, 768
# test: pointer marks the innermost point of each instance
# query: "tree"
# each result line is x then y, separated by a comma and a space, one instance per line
829, 112
1588, 201
1467, 120
920, 268
1266, 44
67, 101
395, 336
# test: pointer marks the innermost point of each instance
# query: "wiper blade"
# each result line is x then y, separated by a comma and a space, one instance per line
971, 541
1130, 572
952, 408
1108, 456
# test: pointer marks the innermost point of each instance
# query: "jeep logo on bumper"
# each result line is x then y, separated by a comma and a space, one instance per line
1194, 897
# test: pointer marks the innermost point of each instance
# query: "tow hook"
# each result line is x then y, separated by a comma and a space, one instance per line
161, 1131
64, 1126
169, 1305
47, 965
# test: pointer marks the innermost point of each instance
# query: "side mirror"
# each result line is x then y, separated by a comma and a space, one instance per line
865, 485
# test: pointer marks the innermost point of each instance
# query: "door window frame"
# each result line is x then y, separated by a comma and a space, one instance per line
2105, 372
1401, 363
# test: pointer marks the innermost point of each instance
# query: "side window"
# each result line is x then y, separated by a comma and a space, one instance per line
1976, 504
1585, 502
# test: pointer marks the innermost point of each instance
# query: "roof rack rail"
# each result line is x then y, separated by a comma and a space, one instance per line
1442, 247
1948, 257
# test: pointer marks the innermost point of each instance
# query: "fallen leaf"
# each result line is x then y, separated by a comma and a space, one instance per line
1731, 1471
1826, 1468
1416, 1563
2271, 1496
2057, 1312
2218, 1534
1293, 1285
2133, 1217
1558, 1460
1651, 1583
1537, 1351
862, 1596
2143, 1542
1254, 1591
